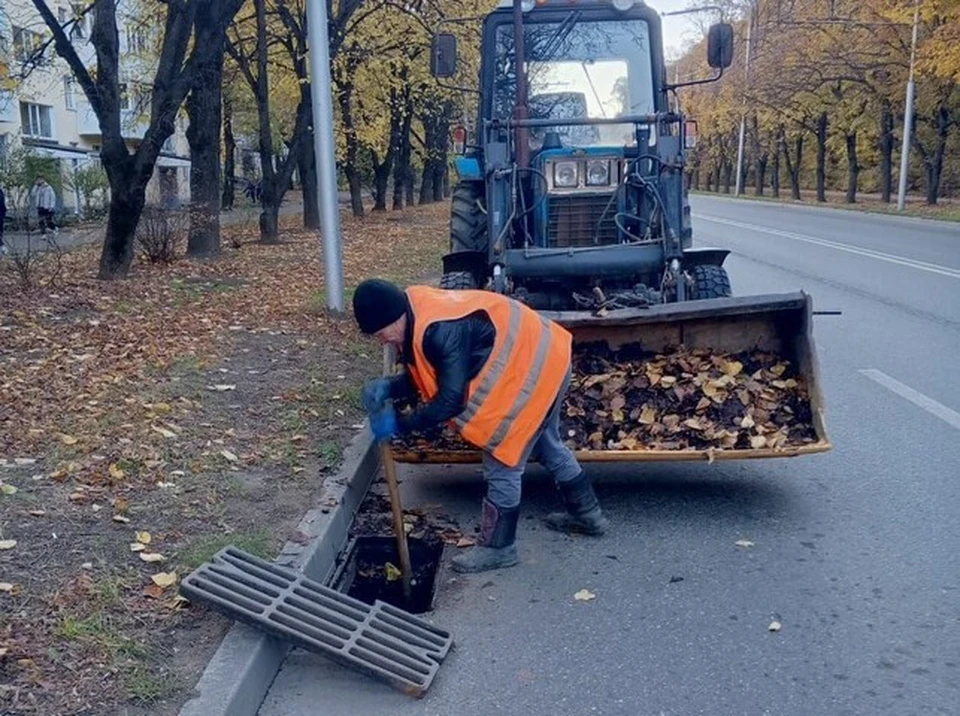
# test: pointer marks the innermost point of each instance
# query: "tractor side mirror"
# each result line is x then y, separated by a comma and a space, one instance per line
720, 45
443, 55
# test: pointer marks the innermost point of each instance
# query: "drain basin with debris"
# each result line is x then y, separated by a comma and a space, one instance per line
364, 573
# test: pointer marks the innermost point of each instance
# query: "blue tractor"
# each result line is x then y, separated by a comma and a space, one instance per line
572, 196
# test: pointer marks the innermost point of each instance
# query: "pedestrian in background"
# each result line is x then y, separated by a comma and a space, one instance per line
44, 199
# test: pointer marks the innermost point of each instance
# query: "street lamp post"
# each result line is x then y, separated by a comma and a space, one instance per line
325, 151
908, 116
743, 114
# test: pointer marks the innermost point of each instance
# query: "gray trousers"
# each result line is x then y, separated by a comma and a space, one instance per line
546, 447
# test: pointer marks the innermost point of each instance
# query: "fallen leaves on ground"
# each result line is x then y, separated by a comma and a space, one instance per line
103, 386
152, 557
743, 543
775, 626
584, 595
392, 572
164, 579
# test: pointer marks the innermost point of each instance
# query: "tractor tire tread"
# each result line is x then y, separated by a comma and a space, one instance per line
458, 281
468, 225
711, 282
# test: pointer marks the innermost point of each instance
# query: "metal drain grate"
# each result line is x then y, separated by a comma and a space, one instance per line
381, 640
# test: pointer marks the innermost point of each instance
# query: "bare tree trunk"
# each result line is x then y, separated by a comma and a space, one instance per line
822, 157
775, 167
853, 167
793, 166
204, 107
402, 170
307, 166
885, 145
127, 199
934, 164
353, 145
229, 156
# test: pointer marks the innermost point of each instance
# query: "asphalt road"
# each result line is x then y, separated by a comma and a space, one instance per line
857, 552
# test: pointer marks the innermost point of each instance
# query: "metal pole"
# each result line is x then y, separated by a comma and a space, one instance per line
325, 151
743, 115
908, 116
521, 110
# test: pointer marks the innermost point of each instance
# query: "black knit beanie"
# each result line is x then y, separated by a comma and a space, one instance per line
377, 304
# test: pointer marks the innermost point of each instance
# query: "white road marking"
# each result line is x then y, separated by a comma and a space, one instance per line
870, 253
951, 417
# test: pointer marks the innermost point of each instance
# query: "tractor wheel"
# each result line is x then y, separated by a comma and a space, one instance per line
710, 282
458, 281
468, 223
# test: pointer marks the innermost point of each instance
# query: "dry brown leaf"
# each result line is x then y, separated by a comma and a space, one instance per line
229, 455
732, 368
584, 595
668, 381
7, 489
152, 557
743, 543
747, 422
115, 471
466, 542
164, 579
137, 547
154, 591
693, 424
6, 587
648, 415
8, 543
38, 513
163, 431
757, 442
143, 537
68, 439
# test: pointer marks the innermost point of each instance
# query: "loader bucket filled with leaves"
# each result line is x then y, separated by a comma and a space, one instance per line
728, 378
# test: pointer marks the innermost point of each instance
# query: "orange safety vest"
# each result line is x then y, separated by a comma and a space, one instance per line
510, 397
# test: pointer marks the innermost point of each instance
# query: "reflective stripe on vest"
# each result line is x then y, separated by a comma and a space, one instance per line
510, 397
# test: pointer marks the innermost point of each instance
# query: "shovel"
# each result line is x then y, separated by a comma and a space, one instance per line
390, 471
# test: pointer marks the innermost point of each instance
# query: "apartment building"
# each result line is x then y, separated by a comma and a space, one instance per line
48, 111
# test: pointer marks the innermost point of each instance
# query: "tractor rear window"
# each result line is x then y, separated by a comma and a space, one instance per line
576, 70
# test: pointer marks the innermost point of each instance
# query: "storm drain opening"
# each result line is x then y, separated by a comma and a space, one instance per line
371, 571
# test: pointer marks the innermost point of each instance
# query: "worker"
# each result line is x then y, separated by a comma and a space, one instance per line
499, 372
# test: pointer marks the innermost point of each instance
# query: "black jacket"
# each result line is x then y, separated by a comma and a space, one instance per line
457, 350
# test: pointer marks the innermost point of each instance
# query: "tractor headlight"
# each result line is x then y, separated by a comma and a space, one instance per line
566, 175
598, 172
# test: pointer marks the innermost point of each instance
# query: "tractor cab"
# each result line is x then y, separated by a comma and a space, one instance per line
574, 188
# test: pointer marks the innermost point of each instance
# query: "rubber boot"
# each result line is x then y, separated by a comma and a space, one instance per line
583, 514
496, 549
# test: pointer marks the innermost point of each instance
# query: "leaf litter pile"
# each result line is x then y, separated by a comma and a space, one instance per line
677, 400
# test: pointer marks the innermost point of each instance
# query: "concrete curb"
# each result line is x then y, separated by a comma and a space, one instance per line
240, 673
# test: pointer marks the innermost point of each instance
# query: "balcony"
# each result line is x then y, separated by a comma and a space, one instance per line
132, 125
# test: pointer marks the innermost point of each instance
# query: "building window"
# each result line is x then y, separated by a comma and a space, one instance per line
69, 97
36, 120
25, 43
79, 29
136, 39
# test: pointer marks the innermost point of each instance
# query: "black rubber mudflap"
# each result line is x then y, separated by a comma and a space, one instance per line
381, 640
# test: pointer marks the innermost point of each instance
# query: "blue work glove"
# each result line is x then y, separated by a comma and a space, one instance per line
383, 423
375, 393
